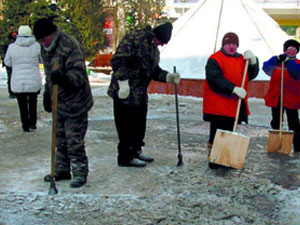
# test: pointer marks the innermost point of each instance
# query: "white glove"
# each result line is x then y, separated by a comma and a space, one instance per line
240, 92
249, 55
173, 78
124, 89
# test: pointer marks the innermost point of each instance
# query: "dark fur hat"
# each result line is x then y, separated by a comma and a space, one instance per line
289, 43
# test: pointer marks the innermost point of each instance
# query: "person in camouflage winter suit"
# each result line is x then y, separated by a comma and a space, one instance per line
135, 63
65, 66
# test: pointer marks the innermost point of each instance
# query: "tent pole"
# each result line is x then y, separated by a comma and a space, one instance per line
218, 27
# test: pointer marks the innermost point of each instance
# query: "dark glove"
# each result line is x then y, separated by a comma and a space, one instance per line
281, 58
59, 79
47, 102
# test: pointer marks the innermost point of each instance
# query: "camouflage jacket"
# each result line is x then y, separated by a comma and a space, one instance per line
65, 57
136, 59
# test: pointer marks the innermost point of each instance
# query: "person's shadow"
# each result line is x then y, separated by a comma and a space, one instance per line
286, 170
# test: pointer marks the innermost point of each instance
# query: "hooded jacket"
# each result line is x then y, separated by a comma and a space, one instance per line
24, 56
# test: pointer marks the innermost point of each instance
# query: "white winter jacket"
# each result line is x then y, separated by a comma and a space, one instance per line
24, 56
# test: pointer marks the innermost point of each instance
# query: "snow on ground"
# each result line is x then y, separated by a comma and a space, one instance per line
3, 77
289, 208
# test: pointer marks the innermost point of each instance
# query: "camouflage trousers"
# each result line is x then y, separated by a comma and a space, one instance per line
70, 145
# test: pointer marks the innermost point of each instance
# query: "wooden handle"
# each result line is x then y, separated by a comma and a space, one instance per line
54, 113
240, 100
281, 97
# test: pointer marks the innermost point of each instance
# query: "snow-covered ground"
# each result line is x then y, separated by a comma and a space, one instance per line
168, 194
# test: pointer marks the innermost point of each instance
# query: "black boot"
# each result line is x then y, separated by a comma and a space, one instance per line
145, 158
78, 181
296, 141
33, 126
58, 177
132, 163
26, 129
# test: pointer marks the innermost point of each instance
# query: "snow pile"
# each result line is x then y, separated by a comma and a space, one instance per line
99, 75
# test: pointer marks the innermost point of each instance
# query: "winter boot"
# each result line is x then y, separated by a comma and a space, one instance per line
133, 163
58, 176
145, 158
33, 126
78, 181
296, 141
26, 129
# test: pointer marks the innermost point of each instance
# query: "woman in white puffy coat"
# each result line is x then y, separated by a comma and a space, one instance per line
24, 56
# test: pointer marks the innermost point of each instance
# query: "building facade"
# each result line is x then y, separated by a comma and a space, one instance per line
285, 12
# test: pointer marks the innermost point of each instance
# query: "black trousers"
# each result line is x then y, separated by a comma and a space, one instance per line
219, 122
27, 103
130, 123
224, 122
293, 123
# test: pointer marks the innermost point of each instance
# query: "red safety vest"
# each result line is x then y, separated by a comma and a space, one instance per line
291, 90
221, 104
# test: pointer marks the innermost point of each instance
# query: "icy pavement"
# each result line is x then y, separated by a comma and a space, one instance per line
266, 191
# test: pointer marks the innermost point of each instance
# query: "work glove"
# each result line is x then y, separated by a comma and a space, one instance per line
249, 55
282, 58
124, 89
240, 92
59, 79
47, 102
173, 78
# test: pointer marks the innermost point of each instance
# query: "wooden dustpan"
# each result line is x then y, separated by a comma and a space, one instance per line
280, 141
230, 148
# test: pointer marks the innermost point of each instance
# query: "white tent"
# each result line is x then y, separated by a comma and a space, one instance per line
199, 32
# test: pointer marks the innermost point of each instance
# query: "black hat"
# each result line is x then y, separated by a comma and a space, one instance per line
230, 38
163, 32
43, 27
289, 43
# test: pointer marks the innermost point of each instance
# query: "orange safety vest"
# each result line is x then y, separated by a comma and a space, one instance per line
222, 104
